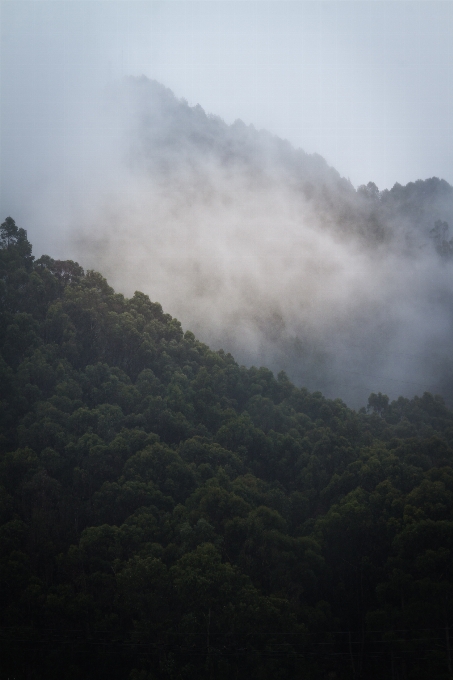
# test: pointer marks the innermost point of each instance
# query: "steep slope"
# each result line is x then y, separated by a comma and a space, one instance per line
167, 513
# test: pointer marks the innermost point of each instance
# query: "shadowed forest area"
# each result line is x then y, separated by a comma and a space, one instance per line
169, 514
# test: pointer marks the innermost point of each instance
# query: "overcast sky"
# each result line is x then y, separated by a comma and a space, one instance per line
368, 85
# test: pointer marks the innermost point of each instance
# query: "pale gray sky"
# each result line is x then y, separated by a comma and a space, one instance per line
368, 85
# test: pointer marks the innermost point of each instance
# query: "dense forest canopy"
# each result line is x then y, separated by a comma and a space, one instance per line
168, 513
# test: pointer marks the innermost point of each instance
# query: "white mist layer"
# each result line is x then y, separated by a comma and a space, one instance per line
257, 248
237, 252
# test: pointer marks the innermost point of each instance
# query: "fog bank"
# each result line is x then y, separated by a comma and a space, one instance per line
264, 250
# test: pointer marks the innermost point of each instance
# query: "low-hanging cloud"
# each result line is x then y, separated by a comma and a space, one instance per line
267, 252
259, 248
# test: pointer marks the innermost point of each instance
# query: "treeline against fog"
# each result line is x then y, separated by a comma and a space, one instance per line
168, 513
267, 251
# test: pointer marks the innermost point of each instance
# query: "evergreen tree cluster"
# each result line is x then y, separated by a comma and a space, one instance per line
167, 513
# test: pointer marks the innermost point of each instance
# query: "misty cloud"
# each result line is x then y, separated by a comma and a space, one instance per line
266, 251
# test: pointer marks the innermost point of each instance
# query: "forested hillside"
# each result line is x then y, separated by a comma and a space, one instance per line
169, 514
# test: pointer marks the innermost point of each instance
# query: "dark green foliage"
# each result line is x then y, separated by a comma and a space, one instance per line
167, 513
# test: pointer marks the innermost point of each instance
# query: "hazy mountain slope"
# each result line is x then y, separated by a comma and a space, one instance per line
268, 252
